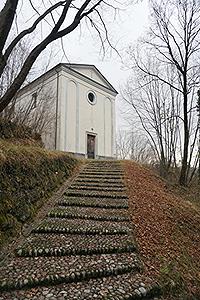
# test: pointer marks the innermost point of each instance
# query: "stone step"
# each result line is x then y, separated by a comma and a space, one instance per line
70, 214
62, 245
94, 203
99, 180
128, 286
84, 227
103, 163
97, 188
115, 169
96, 194
92, 211
24, 272
106, 175
98, 184
96, 173
101, 170
114, 178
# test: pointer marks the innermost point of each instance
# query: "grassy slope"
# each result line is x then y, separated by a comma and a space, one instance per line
28, 175
167, 231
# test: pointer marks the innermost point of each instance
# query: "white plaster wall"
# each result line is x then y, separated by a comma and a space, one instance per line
114, 154
108, 127
70, 122
42, 87
91, 73
61, 116
81, 117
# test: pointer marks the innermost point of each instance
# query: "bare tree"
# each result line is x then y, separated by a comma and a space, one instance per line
133, 145
62, 16
123, 145
157, 107
39, 116
174, 39
36, 113
198, 110
13, 66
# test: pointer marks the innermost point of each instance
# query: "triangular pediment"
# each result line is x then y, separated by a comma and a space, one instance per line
90, 71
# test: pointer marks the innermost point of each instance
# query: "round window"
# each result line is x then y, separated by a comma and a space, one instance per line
91, 97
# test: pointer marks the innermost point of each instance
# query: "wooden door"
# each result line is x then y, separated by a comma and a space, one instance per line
90, 146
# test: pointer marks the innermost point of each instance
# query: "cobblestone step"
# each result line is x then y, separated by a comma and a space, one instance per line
89, 214
102, 174
94, 169
97, 188
61, 245
94, 203
92, 211
69, 216
104, 167
96, 194
107, 163
97, 184
100, 181
88, 227
128, 286
99, 177
25, 272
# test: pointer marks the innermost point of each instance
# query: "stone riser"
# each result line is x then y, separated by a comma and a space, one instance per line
95, 195
99, 181
108, 175
69, 268
100, 176
68, 230
87, 217
100, 205
49, 244
96, 188
97, 184
56, 279
45, 252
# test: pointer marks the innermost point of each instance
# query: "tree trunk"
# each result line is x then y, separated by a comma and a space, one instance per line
183, 175
6, 20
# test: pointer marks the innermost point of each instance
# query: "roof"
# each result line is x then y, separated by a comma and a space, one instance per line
82, 66
76, 69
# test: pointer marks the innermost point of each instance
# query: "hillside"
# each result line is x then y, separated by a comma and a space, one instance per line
167, 229
167, 226
87, 231
29, 174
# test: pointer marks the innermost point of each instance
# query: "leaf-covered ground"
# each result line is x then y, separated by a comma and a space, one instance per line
167, 229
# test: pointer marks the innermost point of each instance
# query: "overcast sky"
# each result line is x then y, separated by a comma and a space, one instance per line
129, 26
83, 48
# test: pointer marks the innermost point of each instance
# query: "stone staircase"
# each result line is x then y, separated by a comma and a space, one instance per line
84, 248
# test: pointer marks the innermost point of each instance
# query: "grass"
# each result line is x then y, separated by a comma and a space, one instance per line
29, 174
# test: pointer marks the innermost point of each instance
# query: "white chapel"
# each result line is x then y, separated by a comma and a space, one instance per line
83, 107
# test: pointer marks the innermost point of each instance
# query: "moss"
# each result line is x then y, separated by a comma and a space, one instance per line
28, 176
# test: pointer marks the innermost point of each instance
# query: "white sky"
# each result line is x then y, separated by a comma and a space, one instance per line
83, 48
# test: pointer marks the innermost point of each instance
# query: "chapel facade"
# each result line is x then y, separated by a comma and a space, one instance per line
81, 113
